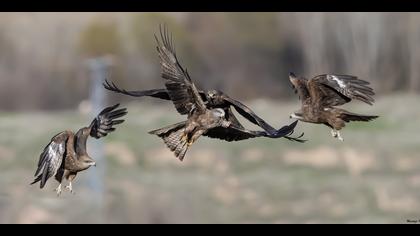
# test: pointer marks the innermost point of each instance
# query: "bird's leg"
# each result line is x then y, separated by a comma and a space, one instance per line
184, 137
195, 136
58, 190
70, 177
339, 136
190, 142
333, 133
70, 187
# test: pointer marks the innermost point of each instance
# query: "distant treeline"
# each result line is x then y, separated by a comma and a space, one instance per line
248, 55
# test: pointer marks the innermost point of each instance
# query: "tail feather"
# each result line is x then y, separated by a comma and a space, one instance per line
37, 180
172, 137
348, 116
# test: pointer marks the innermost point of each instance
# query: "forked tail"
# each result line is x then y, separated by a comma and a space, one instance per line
173, 138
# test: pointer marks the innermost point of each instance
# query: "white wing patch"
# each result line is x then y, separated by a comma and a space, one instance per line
339, 82
51, 151
55, 156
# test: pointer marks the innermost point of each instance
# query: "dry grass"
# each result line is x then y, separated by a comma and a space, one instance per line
372, 177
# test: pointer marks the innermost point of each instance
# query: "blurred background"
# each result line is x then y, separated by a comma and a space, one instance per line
52, 66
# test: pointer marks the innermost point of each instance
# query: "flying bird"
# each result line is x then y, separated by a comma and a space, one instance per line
212, 99
321, 94
66, 154
214, 122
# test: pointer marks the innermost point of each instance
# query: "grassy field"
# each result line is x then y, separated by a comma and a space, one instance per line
372, 177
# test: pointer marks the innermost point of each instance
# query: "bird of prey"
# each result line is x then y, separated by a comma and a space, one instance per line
66, 154
214, 122
321, 94
216, 99
212, 99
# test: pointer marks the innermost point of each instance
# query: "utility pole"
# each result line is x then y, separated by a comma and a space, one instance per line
98, 68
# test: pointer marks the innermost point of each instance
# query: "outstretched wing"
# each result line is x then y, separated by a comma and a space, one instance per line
233, 133
299, 85
283, 132
334, 90
286, 131
103, 124
181, 89
249, 114
156, 93
51, 158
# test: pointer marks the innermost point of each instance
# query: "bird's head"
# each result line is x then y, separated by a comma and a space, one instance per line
88, 162
213, 95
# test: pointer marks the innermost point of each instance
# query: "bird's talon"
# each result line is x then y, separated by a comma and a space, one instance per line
335, 133
58, 190
339, 137
70, 188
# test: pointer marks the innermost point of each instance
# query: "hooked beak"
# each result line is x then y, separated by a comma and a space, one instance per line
94, 164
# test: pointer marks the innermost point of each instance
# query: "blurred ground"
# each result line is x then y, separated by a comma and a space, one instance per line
373, 177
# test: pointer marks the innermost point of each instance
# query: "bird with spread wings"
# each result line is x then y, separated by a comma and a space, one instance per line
320, 96
66, 154
212, 99
213, 122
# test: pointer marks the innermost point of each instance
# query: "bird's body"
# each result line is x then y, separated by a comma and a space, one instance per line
66, 154
212, 99
207, 113
321, 94
181, 136
77, 159
199, 122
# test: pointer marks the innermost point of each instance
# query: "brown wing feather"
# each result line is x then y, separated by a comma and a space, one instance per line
156, 93
300, 87
103, 124
249, 114
51, 158
335, 90
181, 89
